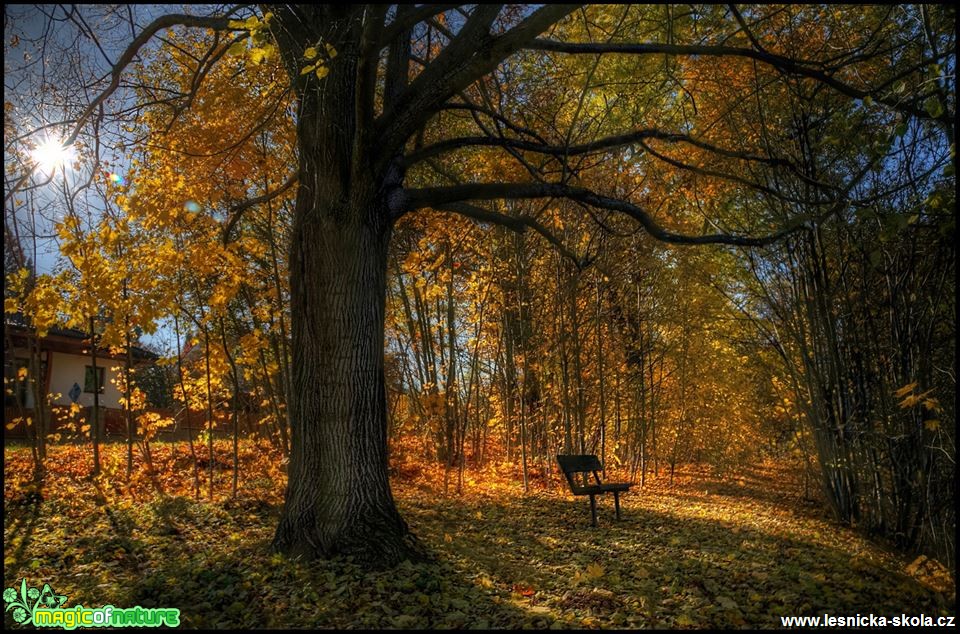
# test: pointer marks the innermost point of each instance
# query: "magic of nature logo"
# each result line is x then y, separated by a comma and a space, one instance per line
43, 607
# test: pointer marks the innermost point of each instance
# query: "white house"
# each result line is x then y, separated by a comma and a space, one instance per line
65, 371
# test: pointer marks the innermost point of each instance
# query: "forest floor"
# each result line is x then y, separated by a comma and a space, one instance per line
703, 552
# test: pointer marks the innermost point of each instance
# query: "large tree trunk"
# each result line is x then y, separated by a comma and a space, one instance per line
338, 497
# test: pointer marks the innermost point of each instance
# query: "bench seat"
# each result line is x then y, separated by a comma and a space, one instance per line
600, 488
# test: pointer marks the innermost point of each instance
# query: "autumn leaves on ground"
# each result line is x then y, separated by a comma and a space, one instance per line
708, 551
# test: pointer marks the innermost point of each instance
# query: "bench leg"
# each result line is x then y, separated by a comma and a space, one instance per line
593, 510
616, 502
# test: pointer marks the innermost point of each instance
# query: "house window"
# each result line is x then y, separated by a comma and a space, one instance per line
88, 379
15, 383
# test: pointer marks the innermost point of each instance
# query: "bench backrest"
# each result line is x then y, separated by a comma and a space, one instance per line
572, 464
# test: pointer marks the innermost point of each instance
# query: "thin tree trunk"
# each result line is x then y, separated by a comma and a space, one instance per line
128, 382
41, 411
602, 395
95, 425
186, 406
235, 376
577, 366
206, 356
450, 388
284, 358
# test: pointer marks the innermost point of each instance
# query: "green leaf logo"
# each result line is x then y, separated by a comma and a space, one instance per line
24, 602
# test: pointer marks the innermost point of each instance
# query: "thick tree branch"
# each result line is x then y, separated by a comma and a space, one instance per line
398, 62
599, 145
518, 224
405, 21
437, 197
473, 54
373, 27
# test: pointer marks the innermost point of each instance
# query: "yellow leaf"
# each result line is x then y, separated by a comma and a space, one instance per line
258, 55
595, 571
447, 538
237, 48
915, 565
307, 69
905, 390
684, 620
248, 24
932, 424
910, 401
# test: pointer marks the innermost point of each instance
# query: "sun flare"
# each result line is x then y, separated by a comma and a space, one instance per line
51, 154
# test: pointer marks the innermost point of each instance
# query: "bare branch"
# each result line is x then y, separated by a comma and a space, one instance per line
237, 210
746, 182
163, 22
785, 64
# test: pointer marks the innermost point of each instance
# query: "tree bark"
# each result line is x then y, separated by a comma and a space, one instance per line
338, 498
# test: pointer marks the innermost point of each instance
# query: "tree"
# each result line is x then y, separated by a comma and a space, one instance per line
377, 88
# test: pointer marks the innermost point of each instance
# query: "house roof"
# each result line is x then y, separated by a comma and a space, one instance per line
69, 340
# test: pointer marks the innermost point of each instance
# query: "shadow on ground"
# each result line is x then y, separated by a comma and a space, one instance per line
678, 558
665, 569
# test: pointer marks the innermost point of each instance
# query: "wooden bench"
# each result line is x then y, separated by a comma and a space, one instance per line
571, 465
